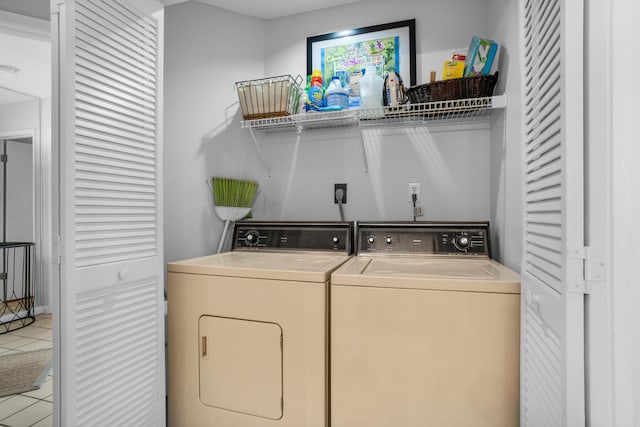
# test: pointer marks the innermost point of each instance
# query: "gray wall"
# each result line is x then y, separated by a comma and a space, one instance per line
34, 8
19, 191
17, 117
206, 50
506, 146
456, 168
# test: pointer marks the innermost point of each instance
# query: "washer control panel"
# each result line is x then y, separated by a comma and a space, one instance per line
300, 236
439, 238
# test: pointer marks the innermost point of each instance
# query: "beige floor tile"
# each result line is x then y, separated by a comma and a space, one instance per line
19, 343
13, 405
47, 422
30, 415
44, 392
36, 345
46, 323
7, 339
16, 411
33, 332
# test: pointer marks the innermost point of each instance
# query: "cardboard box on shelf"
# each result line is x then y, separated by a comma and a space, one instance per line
480, 56
452, 70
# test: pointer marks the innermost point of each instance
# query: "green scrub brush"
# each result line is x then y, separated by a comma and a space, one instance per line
233, 199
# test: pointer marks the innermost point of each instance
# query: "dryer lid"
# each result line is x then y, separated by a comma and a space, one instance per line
290, 266
427, 273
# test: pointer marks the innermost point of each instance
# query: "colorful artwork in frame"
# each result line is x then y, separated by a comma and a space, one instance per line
388, 47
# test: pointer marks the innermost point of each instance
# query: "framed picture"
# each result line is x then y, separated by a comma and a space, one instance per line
388, 47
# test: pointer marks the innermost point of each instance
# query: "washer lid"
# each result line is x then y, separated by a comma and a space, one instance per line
299, 266
420, 272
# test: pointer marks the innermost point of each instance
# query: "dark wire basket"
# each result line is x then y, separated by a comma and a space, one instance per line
461, 88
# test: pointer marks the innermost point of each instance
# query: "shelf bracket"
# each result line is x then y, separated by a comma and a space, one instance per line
364, 152
260, 153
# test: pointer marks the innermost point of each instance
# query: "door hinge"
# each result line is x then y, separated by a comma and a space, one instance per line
57, 249
594, 268
55, 6
4, 158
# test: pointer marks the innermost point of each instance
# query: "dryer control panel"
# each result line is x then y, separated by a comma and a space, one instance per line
296, 236
436, 238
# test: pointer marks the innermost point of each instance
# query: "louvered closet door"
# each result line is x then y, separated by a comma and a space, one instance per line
552, 366
111, 310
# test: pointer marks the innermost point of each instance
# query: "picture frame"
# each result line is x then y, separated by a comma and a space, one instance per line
389, 47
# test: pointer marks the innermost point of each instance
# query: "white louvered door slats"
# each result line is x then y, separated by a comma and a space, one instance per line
115, 145
552, 379
111, 309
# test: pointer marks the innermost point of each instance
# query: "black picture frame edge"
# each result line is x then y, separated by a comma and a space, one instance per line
411, 23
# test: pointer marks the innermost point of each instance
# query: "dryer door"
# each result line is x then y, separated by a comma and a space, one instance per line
241, 366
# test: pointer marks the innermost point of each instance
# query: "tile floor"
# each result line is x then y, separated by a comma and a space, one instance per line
33, 408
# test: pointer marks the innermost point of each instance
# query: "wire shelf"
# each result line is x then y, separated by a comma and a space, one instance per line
465, 109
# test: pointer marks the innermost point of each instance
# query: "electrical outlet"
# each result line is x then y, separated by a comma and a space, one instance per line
342, 187
414, 188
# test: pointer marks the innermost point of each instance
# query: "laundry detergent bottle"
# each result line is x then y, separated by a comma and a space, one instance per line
315, 94
371, 89
336, 96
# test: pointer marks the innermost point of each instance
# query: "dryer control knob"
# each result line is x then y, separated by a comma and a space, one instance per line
336, 240
371, 240
251, 237
462, 242
388, 240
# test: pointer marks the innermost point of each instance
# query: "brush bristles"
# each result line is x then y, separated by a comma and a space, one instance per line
233, 192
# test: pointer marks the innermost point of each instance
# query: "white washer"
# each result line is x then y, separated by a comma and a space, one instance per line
425, 330
248, 329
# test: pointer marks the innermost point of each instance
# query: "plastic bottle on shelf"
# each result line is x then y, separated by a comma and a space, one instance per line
303, 101
371, 90
315, 94
336, 96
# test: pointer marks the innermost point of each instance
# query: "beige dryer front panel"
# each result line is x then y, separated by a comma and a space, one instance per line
209, 392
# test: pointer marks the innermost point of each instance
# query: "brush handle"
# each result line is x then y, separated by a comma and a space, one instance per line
223, 237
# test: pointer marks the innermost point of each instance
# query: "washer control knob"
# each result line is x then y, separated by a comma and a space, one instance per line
336, 240
388, 240
251, 237
371, 240
462, 242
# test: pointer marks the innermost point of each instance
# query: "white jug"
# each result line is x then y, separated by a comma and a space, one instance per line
371, 86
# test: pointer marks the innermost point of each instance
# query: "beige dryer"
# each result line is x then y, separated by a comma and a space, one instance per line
424, 330
248, 329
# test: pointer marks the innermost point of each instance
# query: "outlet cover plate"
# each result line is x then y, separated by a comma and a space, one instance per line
414, 188
344, 189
